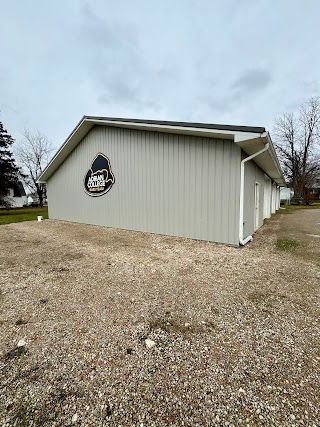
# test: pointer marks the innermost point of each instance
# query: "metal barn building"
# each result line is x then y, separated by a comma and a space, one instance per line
202, 181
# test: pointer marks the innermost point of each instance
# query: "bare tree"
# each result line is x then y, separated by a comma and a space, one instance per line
9, 173
298, 147
33, 152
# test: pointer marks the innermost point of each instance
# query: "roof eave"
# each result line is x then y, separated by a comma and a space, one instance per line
238, 134
267, 161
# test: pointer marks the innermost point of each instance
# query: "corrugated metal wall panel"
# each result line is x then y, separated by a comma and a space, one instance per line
267, 197
169, 184
252, 175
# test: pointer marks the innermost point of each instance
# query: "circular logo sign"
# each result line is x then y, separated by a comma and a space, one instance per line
99, 178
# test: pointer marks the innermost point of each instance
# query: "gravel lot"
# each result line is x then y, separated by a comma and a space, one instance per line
236, 329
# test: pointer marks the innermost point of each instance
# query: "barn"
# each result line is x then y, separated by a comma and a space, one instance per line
202, 181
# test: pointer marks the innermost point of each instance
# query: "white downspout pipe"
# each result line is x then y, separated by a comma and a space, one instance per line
243, 241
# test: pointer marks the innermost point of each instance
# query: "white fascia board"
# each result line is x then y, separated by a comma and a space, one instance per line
181, 130
254, 143
246, 136
281, 181
79, 132
86, 124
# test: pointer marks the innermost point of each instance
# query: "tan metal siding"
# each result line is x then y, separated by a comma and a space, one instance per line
169, 184
252, 175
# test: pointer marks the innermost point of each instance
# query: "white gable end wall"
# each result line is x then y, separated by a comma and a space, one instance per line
164, 183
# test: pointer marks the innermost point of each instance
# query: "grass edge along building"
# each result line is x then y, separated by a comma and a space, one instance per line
202, 181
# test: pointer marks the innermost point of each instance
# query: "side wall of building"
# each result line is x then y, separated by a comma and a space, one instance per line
168, 184
261, 197
259, 202
16, 201
253, 176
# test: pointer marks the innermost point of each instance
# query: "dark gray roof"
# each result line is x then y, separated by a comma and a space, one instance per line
253, 129
18, 189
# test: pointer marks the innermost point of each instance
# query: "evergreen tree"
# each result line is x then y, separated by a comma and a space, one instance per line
9, 172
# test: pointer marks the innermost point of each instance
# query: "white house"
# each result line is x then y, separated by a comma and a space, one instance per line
286, 194
17, 196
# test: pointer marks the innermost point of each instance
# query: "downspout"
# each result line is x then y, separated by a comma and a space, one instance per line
243, 241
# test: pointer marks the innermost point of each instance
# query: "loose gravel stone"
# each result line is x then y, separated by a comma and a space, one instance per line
74, 418
150, 343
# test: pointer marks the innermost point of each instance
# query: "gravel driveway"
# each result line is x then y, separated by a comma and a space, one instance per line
236, 330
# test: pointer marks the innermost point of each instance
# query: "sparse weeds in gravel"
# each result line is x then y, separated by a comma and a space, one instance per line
171, 324
9, 264
73, 256
23, 413
258, 297
15, 353
43, 410
284, 211
60, 269
215, 310
265, 301
21, 321
286, 244
33, 373
37, 412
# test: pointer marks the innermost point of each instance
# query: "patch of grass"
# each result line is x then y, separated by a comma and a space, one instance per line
21, 321
23, 413
292, 208
171, 324
27, 411
45, 409
257, 297
263, 300
15, 353
266, 301
60, 269
286, 244
8, 216
73, 256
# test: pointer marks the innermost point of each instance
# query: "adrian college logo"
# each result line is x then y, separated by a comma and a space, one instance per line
99, 178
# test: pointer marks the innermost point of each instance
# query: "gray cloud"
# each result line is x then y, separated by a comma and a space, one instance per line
134, 59
252, 80
117, 66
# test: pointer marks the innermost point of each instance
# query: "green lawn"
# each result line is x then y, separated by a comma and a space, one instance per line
291, 208
8, 216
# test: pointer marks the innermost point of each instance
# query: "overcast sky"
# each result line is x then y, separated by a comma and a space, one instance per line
232, 62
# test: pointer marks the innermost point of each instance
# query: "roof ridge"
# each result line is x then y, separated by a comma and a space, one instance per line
200, 125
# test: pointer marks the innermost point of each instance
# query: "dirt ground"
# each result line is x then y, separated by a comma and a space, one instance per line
236, 330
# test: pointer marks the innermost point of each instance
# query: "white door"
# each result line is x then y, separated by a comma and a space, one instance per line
267, 198
273, 198
257, 205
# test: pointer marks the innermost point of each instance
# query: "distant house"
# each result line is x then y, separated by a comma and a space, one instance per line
316, 188
17, 196
33, 198
286, 195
